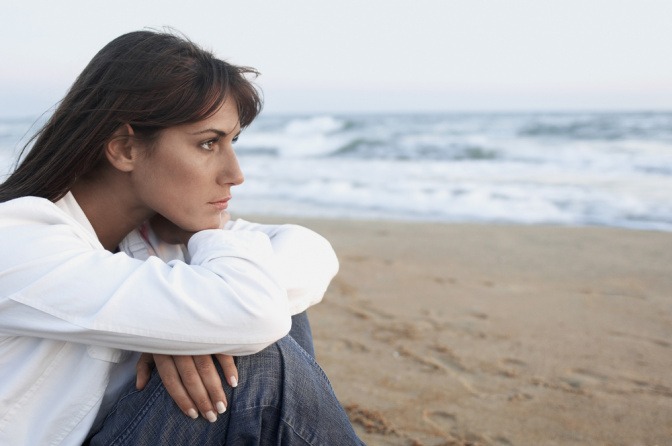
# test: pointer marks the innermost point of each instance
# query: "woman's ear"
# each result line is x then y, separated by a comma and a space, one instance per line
120, 150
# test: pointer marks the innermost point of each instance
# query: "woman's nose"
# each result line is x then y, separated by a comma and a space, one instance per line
230, 172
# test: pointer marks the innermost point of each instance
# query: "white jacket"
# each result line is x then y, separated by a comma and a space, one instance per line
71, 312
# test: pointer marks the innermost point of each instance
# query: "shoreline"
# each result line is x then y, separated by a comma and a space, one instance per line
320, 221
442, 333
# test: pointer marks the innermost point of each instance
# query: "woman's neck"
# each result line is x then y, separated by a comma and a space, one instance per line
108, 206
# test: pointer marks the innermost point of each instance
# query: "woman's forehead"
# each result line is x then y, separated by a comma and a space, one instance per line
224, 120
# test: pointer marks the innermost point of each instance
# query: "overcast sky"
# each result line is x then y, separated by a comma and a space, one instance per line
376, 55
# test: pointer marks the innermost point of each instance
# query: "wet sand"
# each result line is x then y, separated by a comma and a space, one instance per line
437, 334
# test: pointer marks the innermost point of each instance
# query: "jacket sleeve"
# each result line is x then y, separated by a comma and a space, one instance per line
55, 284
306, 261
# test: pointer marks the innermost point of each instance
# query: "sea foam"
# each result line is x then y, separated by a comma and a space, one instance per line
612, 169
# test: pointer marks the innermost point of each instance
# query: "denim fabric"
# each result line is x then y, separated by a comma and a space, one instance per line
283, 398
302, 333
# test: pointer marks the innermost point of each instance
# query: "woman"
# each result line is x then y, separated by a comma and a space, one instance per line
116, 241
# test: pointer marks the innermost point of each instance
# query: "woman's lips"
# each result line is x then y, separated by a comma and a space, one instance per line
221, 204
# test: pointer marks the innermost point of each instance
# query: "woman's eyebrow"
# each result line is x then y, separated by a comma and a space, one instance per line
215, 131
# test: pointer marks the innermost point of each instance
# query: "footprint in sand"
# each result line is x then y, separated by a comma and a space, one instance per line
658, 342
392, 332
443, 280
448, 363
568, 385
449, 359
519, 396
351, 346
514, 362
362, 311
344, 287
582, 379
356, 258
446, 425
509, 367
646, 386
439, 359
441, 421
371, 420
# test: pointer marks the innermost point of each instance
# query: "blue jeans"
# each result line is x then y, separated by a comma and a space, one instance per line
284, 398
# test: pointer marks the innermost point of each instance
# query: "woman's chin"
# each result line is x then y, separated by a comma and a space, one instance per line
215, 223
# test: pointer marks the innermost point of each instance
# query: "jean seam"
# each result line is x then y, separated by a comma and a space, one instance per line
297, 433
312, 361
133, 423
314, 365
116, 406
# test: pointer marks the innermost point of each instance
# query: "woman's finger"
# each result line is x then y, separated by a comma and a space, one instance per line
201, 379
229, 368
170, 376
143, 369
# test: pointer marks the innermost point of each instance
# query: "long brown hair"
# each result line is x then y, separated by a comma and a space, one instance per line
150, 80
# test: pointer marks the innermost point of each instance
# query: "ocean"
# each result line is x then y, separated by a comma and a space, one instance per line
604, 169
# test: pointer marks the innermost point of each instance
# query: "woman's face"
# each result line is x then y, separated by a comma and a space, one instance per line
188, 174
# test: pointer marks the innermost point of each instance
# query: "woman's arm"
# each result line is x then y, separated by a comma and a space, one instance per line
306, 261
309, 265
56, 283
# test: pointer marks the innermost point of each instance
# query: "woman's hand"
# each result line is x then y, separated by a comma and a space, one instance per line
192, 381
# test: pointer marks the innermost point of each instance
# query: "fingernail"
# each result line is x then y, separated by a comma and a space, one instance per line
221, 408
192, 413
210, 416
234, 381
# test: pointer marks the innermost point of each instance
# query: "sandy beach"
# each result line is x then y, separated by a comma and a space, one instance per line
441, 334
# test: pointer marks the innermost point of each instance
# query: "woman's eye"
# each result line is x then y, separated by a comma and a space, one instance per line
235, 139
207, 145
